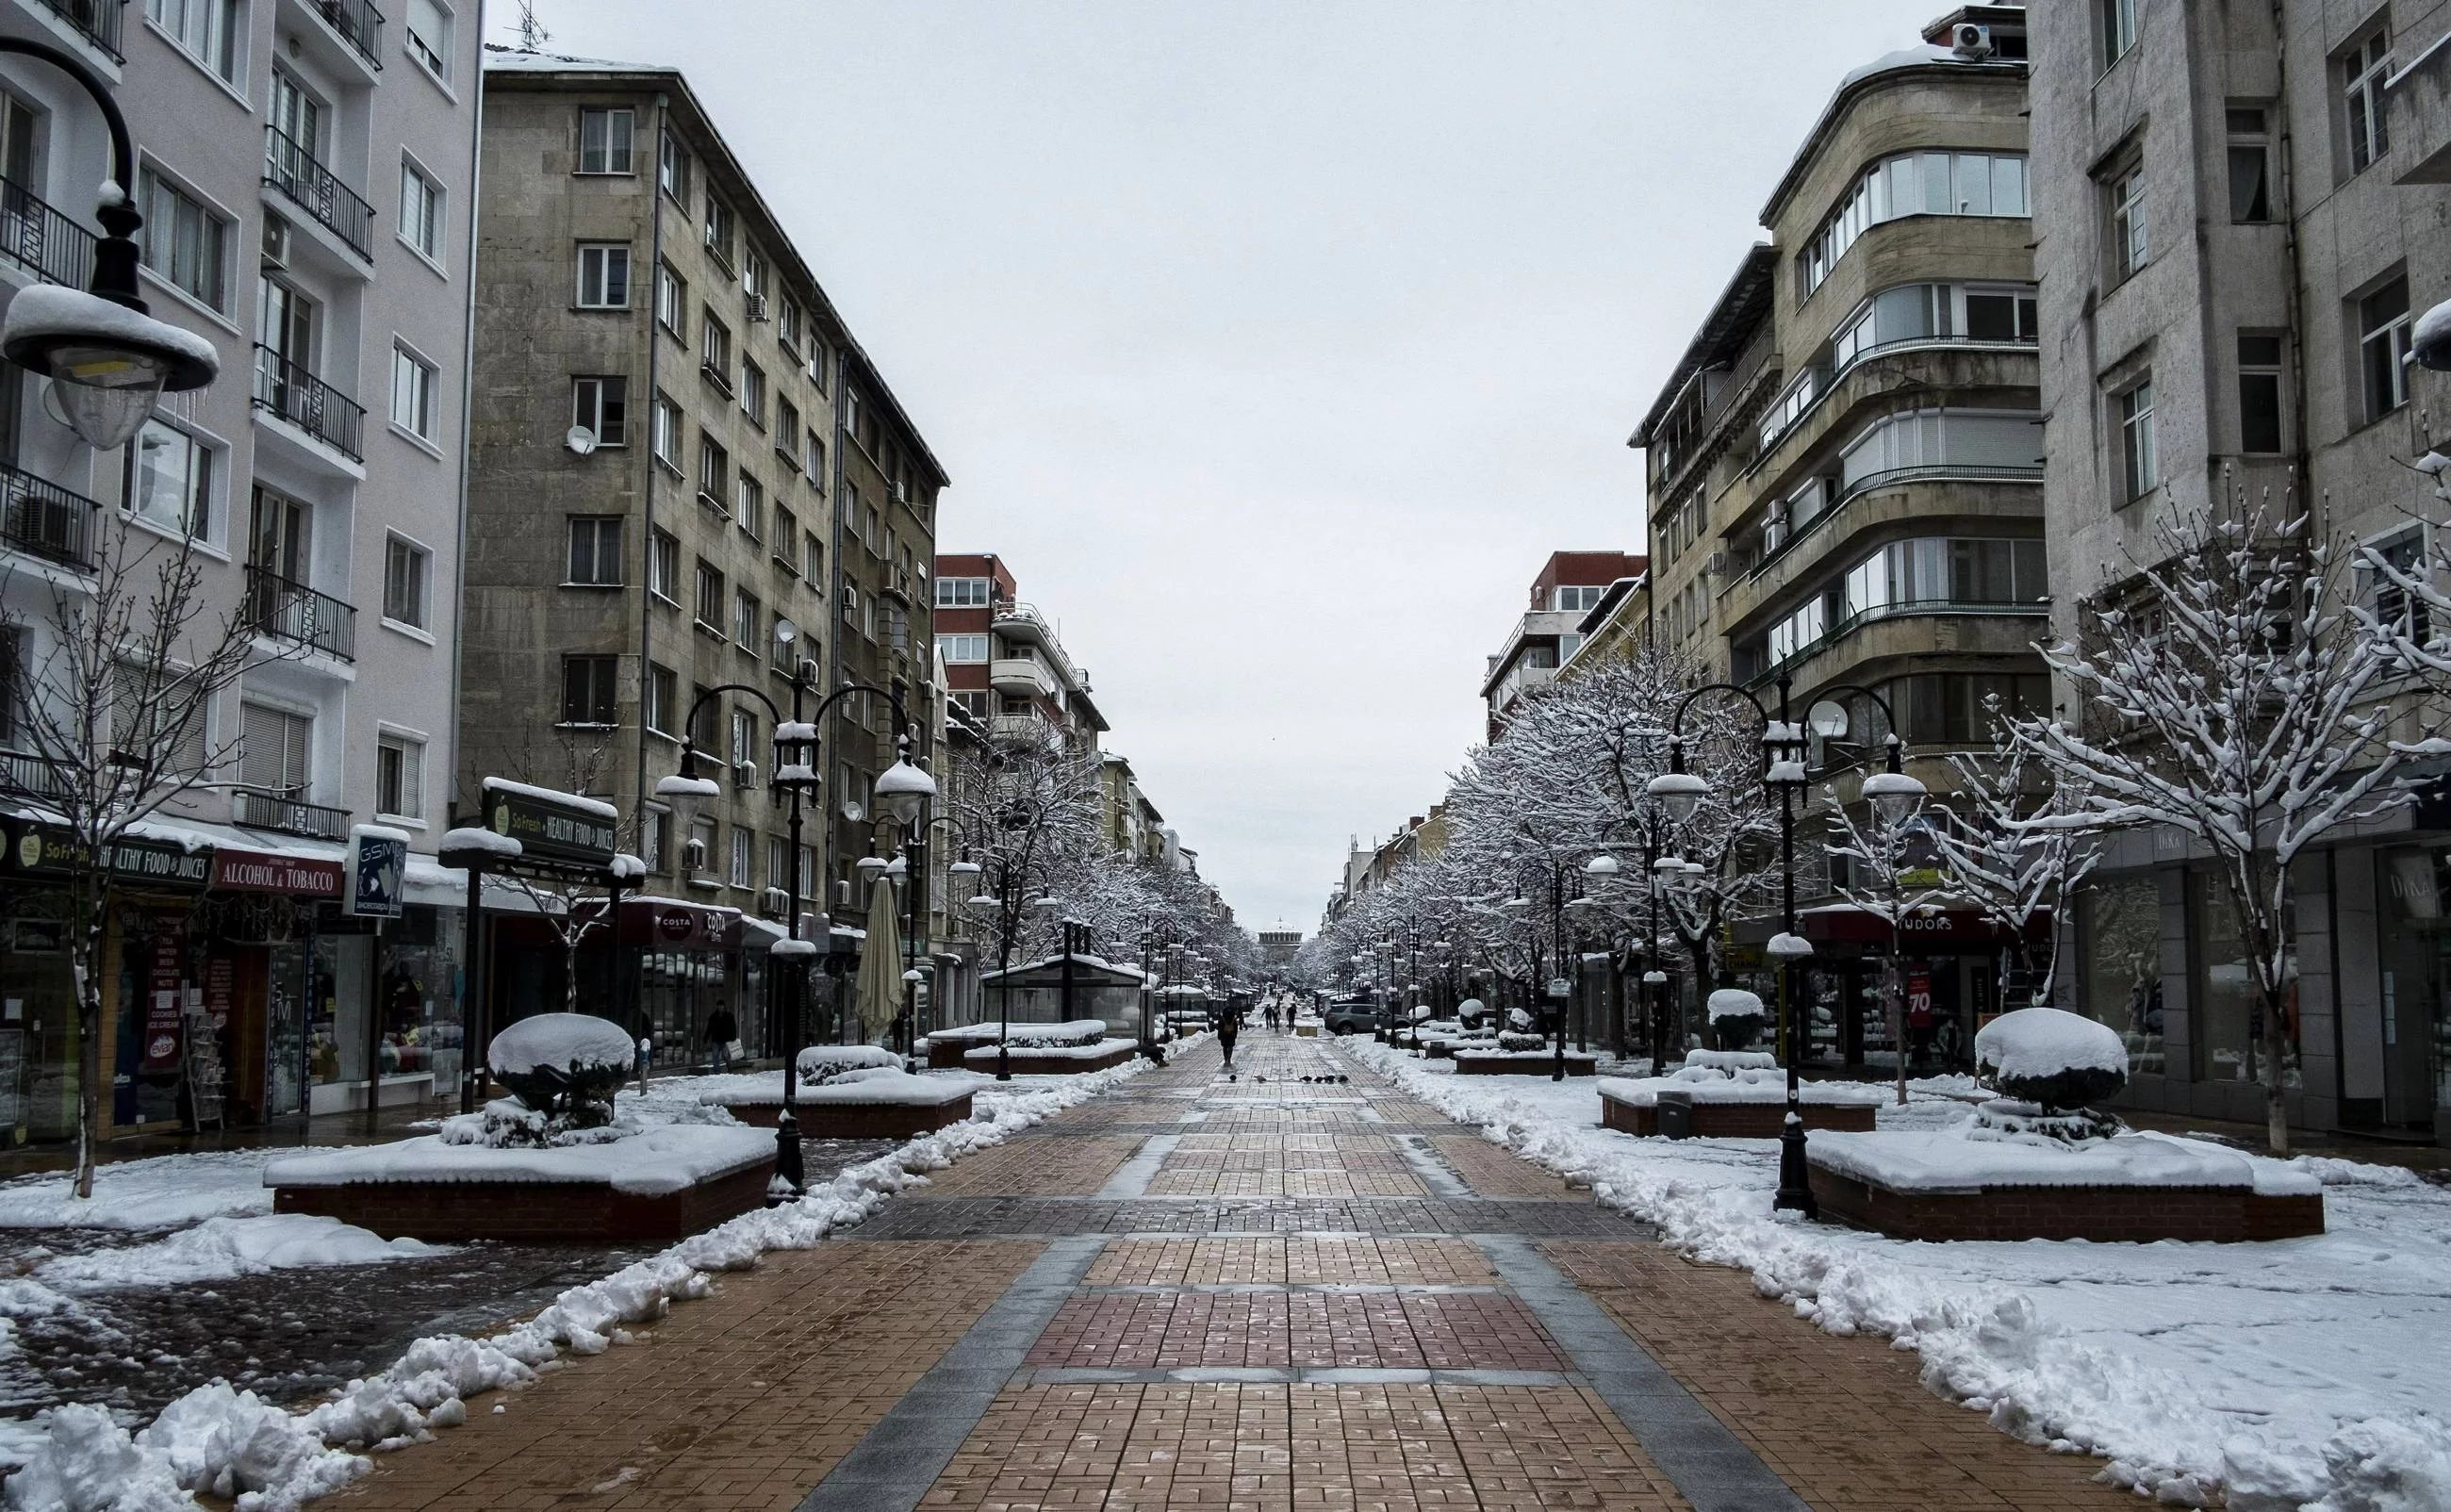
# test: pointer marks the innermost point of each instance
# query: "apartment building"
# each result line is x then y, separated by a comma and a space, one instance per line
1131, 823
2238, 213
1568, 586
1845, 466
1004, 662
689, 476
306, 175
1614, 628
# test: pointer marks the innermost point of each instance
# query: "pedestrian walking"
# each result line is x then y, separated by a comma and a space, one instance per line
1227, 1029
722, 1029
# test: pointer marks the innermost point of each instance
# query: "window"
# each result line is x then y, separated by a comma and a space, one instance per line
817, 461
710, 597
171, 480
664, 566
651, 837
973, 704
786, 536
2259, 393
671, 301
412, 393
595, 550
750, 496
699, 853
2383, 347
714, 473
420, 210
600, 406
753, 393
2140, 463
604, 140
1931, 183
400, 776
813, 559
782, 652
2398, 610
406, 567
209, 29
748, 621
2250, 165
589, 689
2118, 30
787, 431
603, 275
962, 593
185, 243
2362, 74
672, 167
1576, 596
714, 351
817, 362
788, 322
742, 840
719, 227
753, 282
662, 696
962, 649
276, 749
2119, 963
1958, 708
778, 862
1999, 315
2129, 246
428, 36
668, 433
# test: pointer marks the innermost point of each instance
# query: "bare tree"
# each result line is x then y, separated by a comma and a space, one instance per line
1882, 853
2228, 694
114, 711
2017, 878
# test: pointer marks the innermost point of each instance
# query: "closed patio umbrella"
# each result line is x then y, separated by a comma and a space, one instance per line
878, 995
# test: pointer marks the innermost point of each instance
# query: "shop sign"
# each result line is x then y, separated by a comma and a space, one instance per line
256, 871
665, 924
555, 831
378, 873
54, 851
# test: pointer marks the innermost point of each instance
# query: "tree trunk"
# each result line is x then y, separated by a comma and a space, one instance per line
1894, 1009
84, 964
2276, 1108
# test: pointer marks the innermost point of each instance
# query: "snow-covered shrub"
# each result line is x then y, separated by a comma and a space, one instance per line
564, 1069
1736, 1017
820, 1063
1520, 1040
2057, 1062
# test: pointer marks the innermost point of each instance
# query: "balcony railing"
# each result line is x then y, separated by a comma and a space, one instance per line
41, 518
257, 809
41, 239
1892, 478
292, 611
359, 23
306, 402
1861, 618
290, 168
97, 21
30, 777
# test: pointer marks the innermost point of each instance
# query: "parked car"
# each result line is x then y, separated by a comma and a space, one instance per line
1355, 1017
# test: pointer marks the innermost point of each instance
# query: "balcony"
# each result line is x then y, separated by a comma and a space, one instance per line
295, 613
97, 21
1018, 678
257, 809
359, 23
286, 389
290, 168
1912, 608
41, 518
41, 239
1892, 478
30, 777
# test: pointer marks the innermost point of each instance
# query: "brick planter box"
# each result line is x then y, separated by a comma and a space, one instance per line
533, 1212
1734, 1120
1531, 1063
2103, 1214
857, 1120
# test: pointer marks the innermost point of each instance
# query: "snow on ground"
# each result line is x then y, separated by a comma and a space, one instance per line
170, 1191
2303, 1373
221, 1247
232, 1443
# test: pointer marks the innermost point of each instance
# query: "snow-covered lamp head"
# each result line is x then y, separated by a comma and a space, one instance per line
1680, 793
1894, 794
902, 788
108, 362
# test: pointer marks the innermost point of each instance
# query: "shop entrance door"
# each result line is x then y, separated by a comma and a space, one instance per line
2416, 979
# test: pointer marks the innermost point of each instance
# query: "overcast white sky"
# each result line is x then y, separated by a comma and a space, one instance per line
1273, 344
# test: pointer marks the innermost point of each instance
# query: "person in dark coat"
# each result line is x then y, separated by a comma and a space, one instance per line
1227, 1029
722, 1029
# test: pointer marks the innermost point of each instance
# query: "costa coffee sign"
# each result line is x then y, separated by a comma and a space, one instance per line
255, 872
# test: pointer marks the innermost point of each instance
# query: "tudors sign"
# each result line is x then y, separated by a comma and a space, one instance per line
551, 826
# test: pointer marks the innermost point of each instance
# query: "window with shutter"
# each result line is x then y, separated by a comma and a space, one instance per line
273, 750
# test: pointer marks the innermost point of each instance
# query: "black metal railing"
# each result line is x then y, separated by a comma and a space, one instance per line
290, 168
359, 23
259, 809
97, 21
31, 776
306, 402
292, 611
41, 518
41, 239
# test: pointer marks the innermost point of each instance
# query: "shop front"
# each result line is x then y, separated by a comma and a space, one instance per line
1950, 965
675, 975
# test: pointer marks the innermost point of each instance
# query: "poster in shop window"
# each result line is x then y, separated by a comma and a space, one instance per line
1919, 998
164, 984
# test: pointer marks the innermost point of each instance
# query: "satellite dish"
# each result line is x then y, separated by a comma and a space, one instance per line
579, 440
1828, 720
785, 632
853, 812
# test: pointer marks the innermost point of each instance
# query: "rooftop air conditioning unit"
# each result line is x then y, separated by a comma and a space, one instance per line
1967, 40
744, 773
778, 903
756, 303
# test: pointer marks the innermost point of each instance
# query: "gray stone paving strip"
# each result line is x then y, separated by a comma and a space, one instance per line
892, 1467
1356, 1288
1289, 1375
1432, 1168
1131, 1178
1707, 1463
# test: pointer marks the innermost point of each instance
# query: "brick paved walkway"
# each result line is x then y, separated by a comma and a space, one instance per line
1264, 1293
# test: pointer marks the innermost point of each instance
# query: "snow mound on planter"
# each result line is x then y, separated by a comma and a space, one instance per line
824, 1062
2041, 1042
559, 1041
1734, 1002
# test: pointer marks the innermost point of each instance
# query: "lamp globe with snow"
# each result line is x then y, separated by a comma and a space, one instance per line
107, 358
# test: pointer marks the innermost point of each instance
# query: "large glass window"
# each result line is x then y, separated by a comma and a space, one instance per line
1933, 183
1961, 708
2226, 1018
185, 243
604, 140
171, 482
2119, 980
2366, 113
962, 593
2383, 347
1932, 437
2259, 393
2250, 163
2140, 458
210, 31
